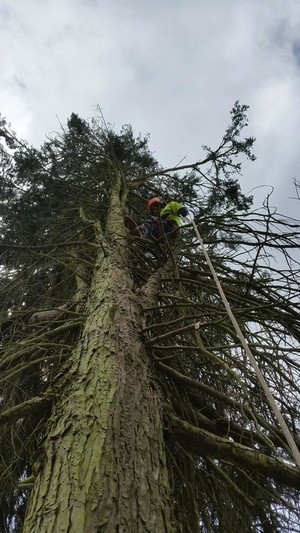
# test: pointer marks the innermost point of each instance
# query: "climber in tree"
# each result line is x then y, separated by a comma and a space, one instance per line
162, 217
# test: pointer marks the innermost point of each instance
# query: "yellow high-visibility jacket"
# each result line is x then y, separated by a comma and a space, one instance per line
171, 210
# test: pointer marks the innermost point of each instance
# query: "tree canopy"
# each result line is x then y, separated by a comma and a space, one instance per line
227, 458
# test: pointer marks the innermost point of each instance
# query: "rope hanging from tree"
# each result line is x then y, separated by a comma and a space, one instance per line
260, 377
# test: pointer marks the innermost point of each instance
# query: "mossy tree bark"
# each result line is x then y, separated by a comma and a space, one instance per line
104, 467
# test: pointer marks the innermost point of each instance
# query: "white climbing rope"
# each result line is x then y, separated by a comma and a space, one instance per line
261, 379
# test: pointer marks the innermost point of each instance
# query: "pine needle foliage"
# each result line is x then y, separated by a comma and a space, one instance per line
229, 464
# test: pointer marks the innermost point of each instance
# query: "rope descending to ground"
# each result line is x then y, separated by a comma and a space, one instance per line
261, 379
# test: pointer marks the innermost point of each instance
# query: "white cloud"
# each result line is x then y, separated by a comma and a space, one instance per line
168, 67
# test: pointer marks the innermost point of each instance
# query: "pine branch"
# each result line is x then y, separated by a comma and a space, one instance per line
205, 443
278, 436
26, 408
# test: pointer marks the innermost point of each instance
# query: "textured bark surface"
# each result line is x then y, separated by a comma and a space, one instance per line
105, 465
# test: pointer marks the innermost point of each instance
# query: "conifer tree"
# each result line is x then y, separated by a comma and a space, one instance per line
127, 402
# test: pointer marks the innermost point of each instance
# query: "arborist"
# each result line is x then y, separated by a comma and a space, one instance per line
164, 217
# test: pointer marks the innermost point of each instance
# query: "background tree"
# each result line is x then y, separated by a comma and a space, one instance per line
127, 402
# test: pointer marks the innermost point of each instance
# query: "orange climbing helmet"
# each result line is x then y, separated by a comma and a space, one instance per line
153, 202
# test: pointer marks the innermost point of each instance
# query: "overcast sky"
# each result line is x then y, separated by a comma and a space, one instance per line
173, 68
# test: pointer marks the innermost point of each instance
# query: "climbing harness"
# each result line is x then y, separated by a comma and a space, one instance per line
289, 437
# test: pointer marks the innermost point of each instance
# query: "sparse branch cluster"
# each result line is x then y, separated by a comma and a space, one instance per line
210, 384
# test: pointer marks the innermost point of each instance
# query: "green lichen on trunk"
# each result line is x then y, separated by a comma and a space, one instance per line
104, 466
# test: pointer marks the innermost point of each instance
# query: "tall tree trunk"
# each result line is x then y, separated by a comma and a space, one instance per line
105, 467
